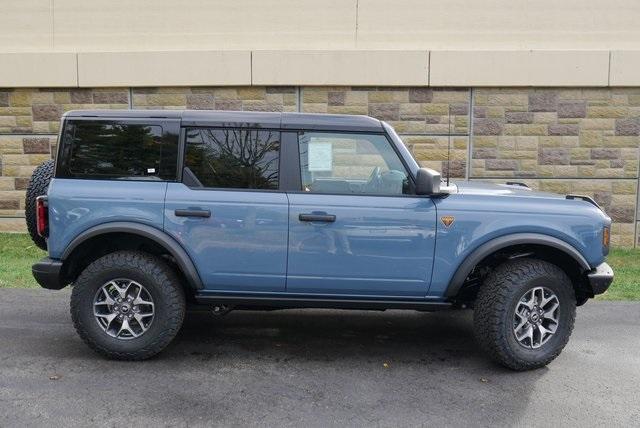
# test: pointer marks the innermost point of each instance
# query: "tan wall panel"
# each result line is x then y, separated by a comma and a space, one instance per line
127, 25
37, 69
25, 25
624, 68
498, 24
519, 68
134, 25
164, 68
340, 67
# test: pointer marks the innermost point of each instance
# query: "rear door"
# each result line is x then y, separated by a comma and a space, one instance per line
356, 228
228, 211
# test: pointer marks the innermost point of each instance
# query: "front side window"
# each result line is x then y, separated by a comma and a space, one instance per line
232, 158
351, 164
117, 150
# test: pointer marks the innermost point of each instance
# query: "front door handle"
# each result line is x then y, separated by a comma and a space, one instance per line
328, 218
193, 213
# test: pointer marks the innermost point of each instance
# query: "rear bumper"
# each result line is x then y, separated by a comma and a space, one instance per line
600, 278
48, 273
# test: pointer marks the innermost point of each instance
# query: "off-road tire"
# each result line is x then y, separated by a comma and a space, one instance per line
160, 281
37, 186
496, 303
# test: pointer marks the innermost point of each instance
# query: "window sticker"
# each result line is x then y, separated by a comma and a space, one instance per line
320, 156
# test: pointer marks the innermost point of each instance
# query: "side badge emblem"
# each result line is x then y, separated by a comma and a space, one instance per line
447, 220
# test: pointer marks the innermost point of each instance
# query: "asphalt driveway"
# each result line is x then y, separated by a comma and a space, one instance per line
313, 368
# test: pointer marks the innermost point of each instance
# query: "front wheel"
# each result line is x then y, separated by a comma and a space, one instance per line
128, 305
524, 313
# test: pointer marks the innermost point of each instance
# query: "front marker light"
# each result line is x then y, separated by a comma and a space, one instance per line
606, 237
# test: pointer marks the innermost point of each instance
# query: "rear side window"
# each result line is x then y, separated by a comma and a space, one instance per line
117, 150
232, 158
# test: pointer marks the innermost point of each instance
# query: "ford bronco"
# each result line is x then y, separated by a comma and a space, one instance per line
146, 213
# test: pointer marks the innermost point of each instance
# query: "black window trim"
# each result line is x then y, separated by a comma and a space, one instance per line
182, 148
171, 126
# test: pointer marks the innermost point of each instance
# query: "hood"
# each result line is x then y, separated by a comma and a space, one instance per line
485, 188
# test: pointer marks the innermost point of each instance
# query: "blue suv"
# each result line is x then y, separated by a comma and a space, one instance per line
146, 213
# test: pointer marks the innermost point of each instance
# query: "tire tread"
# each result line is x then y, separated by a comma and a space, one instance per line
173, 295
493, 301
38, 184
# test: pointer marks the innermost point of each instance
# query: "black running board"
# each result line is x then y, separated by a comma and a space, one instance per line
305, 302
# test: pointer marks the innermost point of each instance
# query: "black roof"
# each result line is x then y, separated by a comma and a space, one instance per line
306, 121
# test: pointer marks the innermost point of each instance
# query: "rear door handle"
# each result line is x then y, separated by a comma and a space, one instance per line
193, 213
329, 218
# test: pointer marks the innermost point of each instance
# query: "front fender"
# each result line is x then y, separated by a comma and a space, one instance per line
481, 222
490, 247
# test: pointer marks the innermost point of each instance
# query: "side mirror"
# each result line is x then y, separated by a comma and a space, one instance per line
427, 182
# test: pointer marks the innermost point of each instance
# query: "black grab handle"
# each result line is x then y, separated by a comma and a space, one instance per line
193, 213
329, 218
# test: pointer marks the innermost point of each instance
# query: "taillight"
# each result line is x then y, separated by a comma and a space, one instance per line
42, 216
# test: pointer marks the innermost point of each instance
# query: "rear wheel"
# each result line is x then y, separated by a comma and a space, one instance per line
37, 186
524, 313
128, 305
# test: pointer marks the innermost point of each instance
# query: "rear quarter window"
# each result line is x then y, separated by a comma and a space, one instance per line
117, 150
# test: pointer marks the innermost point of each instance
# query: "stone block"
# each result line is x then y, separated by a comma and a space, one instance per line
602, 153
519, 117
336, 98
615, 112
572, 109
420, 95
200, 101
233, 105
563, 129
385, 111
501, 164
628, 126
314, 95
543, 101
554, 156
487, 127
33, 145
111, 97
21, 183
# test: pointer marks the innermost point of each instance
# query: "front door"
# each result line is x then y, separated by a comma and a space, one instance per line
228, 212
355, 228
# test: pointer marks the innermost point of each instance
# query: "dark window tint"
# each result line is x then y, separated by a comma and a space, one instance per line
232, 158
108, 149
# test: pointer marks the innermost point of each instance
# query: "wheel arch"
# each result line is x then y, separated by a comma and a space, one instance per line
138, 234
519, 240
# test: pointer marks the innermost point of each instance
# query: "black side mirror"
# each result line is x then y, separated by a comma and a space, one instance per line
427, 182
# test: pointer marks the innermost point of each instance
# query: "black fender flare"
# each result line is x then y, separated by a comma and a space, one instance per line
161, 238
490, 247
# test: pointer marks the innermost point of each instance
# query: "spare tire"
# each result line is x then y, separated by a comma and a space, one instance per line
38, 185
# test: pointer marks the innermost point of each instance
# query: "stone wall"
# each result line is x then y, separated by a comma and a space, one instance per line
582, 141
562, 140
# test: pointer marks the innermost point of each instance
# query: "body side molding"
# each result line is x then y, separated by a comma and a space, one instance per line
171, 245
496, 244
